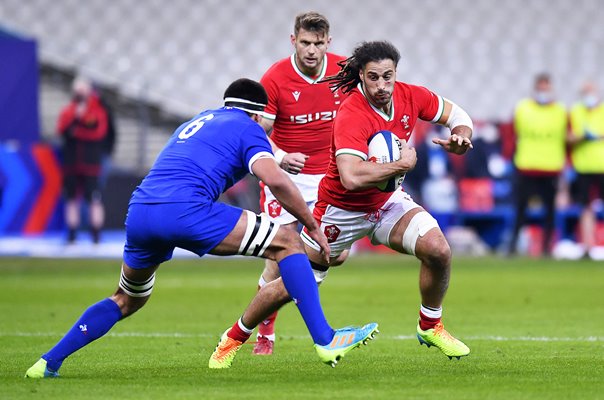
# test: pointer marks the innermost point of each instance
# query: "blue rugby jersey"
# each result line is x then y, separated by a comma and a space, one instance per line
203, 158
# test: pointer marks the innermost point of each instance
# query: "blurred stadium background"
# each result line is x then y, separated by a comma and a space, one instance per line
159, 63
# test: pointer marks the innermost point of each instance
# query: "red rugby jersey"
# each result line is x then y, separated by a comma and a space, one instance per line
303, 109
357, 121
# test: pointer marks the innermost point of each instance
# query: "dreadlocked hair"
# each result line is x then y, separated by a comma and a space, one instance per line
348, 77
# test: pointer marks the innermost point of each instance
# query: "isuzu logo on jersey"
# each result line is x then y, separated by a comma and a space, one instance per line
332, 232
318, 116
274, 209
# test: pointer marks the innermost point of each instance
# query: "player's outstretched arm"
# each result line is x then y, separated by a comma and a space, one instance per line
290, 198
460, 124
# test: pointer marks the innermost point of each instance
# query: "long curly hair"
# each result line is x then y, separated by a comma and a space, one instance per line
348, 77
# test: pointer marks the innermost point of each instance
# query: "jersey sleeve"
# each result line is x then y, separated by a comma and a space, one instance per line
272, 90
351, 134
430, 105
255, 145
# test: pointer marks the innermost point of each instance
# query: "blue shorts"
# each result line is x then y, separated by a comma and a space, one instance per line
154, 230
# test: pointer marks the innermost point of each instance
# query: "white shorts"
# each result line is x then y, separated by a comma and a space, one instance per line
308, 186
343, 227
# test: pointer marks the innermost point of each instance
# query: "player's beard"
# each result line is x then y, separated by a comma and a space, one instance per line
311, 66
381, 99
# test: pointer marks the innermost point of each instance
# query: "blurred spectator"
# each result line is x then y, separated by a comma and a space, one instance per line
82, 125
438, 188
414, 180
587, 141
540, 127
485, 160
109, 142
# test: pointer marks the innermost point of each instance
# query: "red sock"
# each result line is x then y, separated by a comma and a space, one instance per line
238, 333
267, 327
426, 323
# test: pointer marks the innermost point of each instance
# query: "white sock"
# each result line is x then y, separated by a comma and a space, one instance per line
431, 312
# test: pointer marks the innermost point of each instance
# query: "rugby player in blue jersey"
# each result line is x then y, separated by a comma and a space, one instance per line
176, 206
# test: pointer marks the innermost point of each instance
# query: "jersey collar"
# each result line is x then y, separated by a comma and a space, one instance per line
306, 77
382, 114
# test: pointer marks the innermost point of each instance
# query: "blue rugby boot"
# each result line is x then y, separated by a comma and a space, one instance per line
345, 340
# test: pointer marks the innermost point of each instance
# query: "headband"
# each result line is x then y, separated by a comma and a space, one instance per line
245, 105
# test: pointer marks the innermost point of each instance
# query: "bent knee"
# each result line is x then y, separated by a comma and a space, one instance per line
287, 242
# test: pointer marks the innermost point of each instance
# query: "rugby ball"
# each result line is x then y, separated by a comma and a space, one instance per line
384, 147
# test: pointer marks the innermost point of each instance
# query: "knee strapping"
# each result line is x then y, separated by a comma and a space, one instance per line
259, 234
419, 225
137, 289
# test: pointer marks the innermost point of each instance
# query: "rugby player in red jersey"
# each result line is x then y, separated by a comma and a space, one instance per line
350, 206
299, 118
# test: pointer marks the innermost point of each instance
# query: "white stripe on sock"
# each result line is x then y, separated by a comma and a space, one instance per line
244, 328
430, 312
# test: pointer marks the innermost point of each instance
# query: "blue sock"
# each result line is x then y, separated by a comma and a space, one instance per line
94, 323
303, 289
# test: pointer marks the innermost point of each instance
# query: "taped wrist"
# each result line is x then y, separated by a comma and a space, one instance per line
458, 117
279, 155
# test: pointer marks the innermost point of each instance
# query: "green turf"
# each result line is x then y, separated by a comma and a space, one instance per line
536, 330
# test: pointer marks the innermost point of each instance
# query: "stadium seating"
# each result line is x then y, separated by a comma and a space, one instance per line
183, 54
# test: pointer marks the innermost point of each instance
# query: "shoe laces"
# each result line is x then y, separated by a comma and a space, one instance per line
440, 330
264, 341
346, 329
228, 347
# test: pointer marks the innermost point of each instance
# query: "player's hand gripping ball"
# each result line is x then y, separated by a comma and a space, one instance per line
385, 147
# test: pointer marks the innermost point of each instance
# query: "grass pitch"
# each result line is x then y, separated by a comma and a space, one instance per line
535, 328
